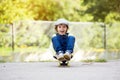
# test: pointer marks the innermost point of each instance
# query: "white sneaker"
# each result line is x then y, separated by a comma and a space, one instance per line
67, 56
60, 57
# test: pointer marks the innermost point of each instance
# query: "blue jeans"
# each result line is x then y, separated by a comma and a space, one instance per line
63, 44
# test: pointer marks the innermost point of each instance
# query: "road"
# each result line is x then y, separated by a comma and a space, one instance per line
50, 71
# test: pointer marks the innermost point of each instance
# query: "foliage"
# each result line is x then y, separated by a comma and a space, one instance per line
54, 9
113, 36
14, 10
4, 36
31, 34
80, 10
95, 60
101, 10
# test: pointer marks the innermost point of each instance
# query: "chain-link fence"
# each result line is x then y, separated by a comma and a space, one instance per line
31, 40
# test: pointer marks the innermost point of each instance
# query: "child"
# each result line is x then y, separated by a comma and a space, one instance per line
63, 43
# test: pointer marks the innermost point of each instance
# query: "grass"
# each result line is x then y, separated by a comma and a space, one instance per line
5, 51
94, 60
2, 61
100, 60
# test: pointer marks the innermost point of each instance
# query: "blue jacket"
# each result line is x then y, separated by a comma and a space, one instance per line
63, 43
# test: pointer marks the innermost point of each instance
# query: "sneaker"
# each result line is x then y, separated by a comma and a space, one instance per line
60, 57
67, 56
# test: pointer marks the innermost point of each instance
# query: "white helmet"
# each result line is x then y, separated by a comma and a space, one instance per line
61, 21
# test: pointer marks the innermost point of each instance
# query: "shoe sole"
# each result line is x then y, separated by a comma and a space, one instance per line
61, 59
67, 57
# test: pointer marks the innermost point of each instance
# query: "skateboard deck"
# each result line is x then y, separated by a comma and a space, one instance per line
62, 63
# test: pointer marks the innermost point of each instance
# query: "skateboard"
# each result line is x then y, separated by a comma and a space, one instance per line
62, 63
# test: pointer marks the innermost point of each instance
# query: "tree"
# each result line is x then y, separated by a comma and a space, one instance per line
13, 10
78, 10
54, 9
103, 9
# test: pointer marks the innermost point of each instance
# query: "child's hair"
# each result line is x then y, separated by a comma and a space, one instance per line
61, 21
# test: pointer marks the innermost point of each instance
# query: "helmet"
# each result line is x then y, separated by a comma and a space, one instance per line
61, 21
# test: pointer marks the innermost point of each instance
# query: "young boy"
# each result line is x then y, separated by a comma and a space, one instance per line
63, 43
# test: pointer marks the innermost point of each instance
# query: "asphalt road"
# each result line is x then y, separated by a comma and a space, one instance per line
51, 71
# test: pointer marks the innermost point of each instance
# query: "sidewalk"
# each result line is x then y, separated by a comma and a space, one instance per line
51, 71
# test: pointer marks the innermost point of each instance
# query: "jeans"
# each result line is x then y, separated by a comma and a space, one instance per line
63, 44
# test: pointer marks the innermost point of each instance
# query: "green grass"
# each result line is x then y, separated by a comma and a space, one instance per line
100, 60
5, 51
95, 60
2, 61
7, 54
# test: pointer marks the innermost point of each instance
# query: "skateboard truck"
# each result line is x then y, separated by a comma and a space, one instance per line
64, 63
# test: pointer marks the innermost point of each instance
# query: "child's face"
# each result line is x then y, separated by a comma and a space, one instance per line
62, 29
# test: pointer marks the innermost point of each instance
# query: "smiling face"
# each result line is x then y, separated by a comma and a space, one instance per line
62, 29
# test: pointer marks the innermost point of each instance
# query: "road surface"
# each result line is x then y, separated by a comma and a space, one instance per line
51, 71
